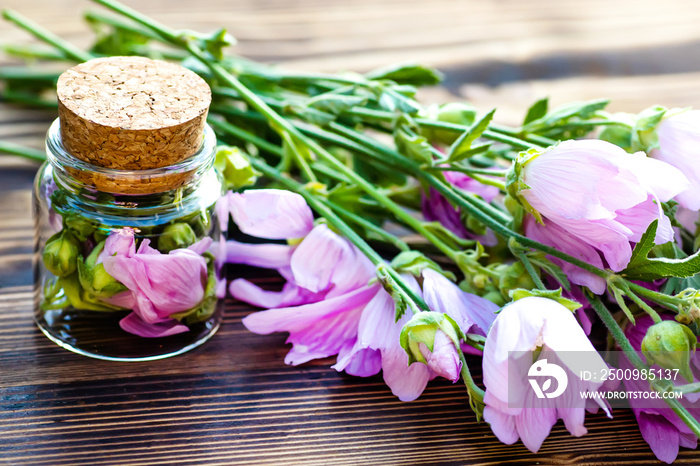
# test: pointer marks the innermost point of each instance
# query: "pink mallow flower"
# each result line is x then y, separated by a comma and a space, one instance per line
661, 428
513, 409
329, 307
378, 336
679, 145
594, 198
436, 208
159, 285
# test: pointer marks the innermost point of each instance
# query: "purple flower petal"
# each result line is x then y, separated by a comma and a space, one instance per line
362, 362
201, 246
134, 324
443, 359
269, 256
318, 329
661, 436
291, 294
441, 295
553, 235
317, 257
162, 284
271, 214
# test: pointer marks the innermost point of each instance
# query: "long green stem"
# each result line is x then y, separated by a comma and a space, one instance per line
369, 226
413, 300
71, 52
619, 336
21, 151
476, 394
648, 309
281, 124
530, 269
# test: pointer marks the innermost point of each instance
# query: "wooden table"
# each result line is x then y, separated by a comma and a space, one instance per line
233, 401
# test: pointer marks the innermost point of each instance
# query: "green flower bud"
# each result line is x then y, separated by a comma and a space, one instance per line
670, 344
94, 278
61, 253
422, 328
235, 167
513, 277
81, 298
495, 297
176, 236
80, 226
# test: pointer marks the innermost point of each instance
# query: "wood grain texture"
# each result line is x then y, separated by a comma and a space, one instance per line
233, 401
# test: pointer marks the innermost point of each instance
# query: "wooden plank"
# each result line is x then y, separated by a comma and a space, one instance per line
233, 401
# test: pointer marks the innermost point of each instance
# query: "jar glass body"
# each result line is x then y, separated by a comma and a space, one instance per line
128, 265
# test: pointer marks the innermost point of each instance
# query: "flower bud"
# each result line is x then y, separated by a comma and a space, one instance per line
669, 344
513, 277
176, 236
235, 168
93, 277
61, 253
80, 226
433, 339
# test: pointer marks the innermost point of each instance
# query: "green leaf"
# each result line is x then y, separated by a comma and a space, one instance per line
561, 115
480, 149
537, 110
415, 262
643, 267
413, 146
234, 166
416, 75
464, 142
643, 134
336, 103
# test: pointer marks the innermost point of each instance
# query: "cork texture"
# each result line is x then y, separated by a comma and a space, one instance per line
128, 185
132, 113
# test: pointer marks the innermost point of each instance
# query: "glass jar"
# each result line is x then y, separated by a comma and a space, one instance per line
127, 263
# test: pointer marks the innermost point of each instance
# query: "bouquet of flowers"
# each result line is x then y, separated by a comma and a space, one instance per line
411, 236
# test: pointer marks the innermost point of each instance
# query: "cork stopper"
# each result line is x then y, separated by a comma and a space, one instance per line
132, 113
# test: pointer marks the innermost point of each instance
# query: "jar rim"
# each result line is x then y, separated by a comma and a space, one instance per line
59, 157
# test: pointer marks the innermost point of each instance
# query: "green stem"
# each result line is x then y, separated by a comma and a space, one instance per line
688, 388
164, 32
648, 309
21, 151
28, 98
33, 52
476, 394
624, 344
534, 138
530, 269
488, 134
280, 124
470, 170
670, 302
246, 136
71, 52
414, 301
489, 181
369, 226
477, 211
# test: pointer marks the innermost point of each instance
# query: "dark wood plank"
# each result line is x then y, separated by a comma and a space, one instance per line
233, 401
